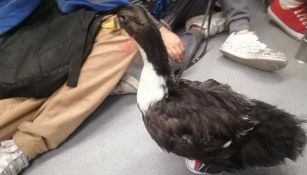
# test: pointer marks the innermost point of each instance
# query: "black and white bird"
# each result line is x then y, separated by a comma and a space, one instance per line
206, 121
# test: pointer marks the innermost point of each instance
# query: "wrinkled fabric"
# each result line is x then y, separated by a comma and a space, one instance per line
161, 6
38, 57
67, 6
13, 12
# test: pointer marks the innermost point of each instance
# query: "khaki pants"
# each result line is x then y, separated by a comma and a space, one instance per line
37, 125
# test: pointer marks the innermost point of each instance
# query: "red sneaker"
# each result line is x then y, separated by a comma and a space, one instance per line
293, 21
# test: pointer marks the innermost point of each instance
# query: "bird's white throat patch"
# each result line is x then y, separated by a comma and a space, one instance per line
152, 87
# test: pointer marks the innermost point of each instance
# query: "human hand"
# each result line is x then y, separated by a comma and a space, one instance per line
174, 45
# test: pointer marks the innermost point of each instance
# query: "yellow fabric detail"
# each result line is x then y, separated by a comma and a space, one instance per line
110, 22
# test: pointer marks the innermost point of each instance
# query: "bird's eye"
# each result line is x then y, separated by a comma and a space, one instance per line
122, 18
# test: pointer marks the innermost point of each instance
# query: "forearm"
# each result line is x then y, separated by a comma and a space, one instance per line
173, 43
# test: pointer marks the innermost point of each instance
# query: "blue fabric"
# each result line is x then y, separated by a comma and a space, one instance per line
161, 6
67, 6
13, 12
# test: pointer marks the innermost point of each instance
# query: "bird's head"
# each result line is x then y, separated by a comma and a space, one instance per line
135, 21
138, 24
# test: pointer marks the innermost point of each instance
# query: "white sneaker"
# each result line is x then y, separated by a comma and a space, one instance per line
217, 24
127, 85
245, 48
12, 160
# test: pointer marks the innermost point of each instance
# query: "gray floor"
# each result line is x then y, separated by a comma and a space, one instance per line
114, 140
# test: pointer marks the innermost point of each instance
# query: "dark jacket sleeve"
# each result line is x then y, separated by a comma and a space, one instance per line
141, 3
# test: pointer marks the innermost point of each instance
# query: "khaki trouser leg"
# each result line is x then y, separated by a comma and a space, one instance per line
56, 117
14, 111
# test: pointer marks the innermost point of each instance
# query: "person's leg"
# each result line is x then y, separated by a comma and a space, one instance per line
14, 111
67, 108
290, 15
236, 14
242, 45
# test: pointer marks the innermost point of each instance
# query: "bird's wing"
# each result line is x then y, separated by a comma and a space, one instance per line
198, 121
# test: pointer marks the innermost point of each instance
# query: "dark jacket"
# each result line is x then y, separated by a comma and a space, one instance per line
48, 48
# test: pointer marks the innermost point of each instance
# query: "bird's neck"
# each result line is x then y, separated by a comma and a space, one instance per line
153, 85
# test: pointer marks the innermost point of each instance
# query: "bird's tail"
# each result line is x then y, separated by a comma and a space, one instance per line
277, 136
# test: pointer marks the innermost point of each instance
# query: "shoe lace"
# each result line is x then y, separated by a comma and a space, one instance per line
302, 16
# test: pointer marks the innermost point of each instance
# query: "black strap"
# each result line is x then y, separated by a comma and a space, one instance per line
76, 63
208, 15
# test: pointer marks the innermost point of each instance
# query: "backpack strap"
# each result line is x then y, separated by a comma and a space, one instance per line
76, 64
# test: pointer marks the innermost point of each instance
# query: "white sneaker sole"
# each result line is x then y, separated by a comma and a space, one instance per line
269, 65
287, 29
